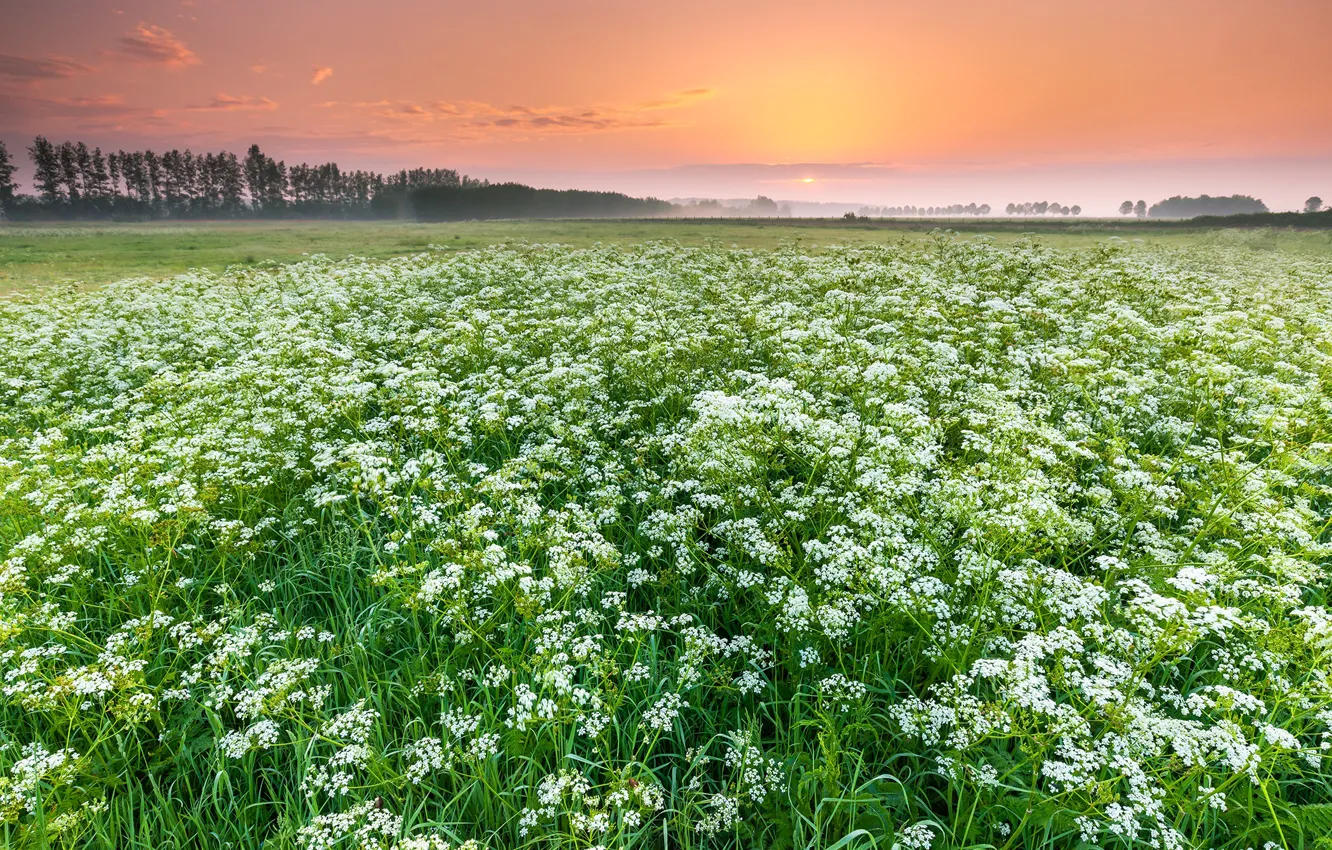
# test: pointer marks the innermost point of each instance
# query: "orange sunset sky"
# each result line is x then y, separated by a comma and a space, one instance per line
884, 103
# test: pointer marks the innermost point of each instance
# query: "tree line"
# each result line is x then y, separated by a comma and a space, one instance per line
901, 212
1041, 208
514, 200
1206, 205
73, 180
1182, 207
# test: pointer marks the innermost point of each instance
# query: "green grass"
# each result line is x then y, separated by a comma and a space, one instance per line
938, 543
95, 253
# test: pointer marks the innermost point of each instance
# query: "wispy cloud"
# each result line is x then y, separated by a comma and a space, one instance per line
228, 103
91, 100
74, 113
474, 119
28, 69
677, 100
320, 74
154, 45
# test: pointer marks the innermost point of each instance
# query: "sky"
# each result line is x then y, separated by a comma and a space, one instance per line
881, 102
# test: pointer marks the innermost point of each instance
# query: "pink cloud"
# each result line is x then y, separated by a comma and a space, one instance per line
154, 45
26, 69
228, 103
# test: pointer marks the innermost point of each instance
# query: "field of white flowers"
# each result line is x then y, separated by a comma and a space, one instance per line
948, 546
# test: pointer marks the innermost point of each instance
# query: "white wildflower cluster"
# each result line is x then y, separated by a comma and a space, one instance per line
841, 693
261, 735
660, 717
514, 540
748, 777
628, 805
36, 766
367, 826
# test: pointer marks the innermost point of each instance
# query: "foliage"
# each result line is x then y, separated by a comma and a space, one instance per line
951, 545
73, 181
949, 210
7, 186
1043, 207
514, 200
1181, 207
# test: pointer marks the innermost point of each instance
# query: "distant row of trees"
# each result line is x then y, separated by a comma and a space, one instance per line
1042, 208
514, 200
1184, 207
900, 212
73, 180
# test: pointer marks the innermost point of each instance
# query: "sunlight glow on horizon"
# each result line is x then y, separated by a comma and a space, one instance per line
880, 92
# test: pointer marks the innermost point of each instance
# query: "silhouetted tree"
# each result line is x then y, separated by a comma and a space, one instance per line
1075, 210
113, 166
1126, 208
230, 179
69, 172
1312, 205
47, 176
98, 180
152, 164
8, 188
256, 171
1140, 209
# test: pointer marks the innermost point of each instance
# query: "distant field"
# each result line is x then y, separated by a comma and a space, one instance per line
93, 254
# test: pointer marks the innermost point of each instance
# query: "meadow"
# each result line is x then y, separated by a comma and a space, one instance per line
940, 542
95, 253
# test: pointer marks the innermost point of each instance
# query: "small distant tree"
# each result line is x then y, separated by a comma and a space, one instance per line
1075, 210
761, 207
1313, 205
1140, 209
1126, 208
984, 209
